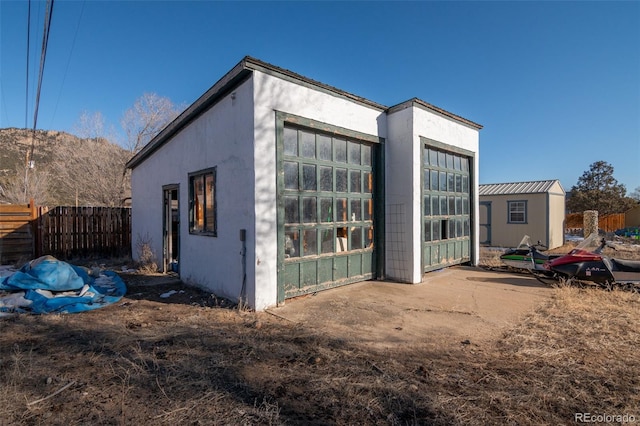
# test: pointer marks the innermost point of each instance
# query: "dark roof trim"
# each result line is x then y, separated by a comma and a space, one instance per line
415, 102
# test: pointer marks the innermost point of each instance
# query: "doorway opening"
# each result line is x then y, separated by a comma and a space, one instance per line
171, 229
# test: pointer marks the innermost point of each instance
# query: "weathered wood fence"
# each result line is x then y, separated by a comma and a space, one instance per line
608, 223
81, 232
16, 232
27, 232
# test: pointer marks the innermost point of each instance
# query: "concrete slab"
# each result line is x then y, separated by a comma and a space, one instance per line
457, 304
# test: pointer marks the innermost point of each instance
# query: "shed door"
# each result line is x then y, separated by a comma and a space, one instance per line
485, 222
328, 199
446, 200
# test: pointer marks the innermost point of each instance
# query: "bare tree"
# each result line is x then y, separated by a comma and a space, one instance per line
90, 173
89, 125
89, 170
146, 118
37, 186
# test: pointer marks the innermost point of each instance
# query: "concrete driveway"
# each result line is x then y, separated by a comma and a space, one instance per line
453, 305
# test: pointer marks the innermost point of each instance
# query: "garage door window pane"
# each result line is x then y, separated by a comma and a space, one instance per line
291, 243
443, 205
443, 181
309, 177
341, 180
326, 210
356, 238
356, 210
366, 155
434, 180
307, 144
290, 175
427, 205
326, 178
368, 182
367, 212
368, 237
341, 209
291, 214
354, 152
427, 230
354, 179
309, 210
340, 145
435, 230
324, 148
290, 142
309, 242
433, 157
435, 205
326, 241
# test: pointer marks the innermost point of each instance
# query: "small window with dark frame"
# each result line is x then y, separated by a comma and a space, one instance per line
517, 211
202, 202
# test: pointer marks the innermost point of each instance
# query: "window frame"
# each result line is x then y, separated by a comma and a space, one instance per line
192, 222
511, 204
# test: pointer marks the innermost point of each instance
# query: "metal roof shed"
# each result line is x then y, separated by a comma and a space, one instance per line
510, 210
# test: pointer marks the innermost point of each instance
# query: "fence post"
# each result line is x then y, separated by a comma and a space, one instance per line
33, 219
590, 222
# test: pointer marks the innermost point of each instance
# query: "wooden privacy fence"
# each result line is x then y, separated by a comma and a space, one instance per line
608, 223
16, 232
81, 232
27, 232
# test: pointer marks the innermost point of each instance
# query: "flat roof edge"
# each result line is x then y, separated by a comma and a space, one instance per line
429, 107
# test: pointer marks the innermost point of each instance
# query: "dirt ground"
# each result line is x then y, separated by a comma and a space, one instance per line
467, 346
450, 306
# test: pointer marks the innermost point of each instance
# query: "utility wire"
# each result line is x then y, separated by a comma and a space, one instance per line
43, 56
66, 71
26, 104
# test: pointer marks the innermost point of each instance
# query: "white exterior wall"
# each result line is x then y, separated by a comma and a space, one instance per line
406, 126
402, 259
274, 94
222, 137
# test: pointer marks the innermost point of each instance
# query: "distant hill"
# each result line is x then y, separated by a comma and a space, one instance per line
75, 169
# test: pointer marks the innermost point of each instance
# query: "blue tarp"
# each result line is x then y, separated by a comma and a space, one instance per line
47, 285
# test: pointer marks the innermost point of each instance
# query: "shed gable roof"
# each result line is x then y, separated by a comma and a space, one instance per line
531, 187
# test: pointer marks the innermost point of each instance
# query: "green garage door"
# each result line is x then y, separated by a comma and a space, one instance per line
327, 204
446, 206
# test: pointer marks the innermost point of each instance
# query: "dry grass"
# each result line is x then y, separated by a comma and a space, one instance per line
149, 361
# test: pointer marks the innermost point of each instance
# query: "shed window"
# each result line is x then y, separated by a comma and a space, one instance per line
517, 211
202, 202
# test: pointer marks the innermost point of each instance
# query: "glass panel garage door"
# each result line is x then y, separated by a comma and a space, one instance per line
446, 208
329, 203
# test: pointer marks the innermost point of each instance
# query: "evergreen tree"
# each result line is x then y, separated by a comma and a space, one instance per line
597, 189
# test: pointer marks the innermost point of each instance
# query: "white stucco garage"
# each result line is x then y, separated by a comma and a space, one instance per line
272, 185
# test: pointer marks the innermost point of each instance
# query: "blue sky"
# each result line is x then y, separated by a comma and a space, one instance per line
556, 85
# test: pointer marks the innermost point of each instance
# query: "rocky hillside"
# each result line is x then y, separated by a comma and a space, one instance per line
68, 169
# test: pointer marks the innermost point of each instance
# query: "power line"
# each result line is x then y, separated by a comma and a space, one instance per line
43, 55
26, 103
66, 71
